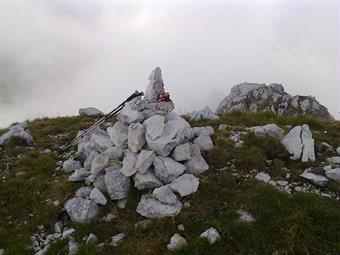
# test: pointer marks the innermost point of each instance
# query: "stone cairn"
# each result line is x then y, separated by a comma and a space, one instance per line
150, 147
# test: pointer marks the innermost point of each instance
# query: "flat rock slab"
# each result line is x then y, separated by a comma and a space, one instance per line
150, 207
316, 179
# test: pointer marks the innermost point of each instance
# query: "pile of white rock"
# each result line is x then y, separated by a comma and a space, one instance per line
151, 147
17, 130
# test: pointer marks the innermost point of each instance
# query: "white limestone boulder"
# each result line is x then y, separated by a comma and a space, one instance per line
185, 184
71, 165
117, 185
81, 210
100, 140
334, 160
177, 242
155, 86
333, 174
90, 111
99, 162
136, 137
165, 195
148, 180
196, 165
204, 114
271, 130
181, 152
17, 130
204, 142
98, 197
211, 235
316, 179
150, 207
84, 150
167, 169
292, 142
118, 134
308, 152
114, 153
130, 114
129, 164
144, 161
338, 150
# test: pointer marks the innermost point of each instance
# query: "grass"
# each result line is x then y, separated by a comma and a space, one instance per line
297, 224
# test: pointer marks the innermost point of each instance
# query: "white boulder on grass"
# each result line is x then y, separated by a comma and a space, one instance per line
90, 111
271, 130
181, 152
118, 133
177, 242
81, 210
316, 179
307, 144
167, 169
245, 216
83, 192
144, 161
211, 235
204, 114
136, 137
84, 150
152, 208
185, 184
17, 130
261, 176
117, 185
99, 162
333, 174
146, 181
196, 165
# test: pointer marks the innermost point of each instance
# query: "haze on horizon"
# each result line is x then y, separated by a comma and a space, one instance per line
58, 56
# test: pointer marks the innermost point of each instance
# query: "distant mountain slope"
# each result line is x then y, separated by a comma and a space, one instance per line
257, 97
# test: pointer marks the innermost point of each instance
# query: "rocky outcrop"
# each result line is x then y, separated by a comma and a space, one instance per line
204, 114
272, 98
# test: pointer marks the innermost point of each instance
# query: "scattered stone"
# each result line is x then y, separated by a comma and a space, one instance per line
2, 251
130, 114
334, 160
99, 183
307, 144
146, 181
117, 240
144, 161
165, 195
150, 207
92, 239
245, 216
333, 174
98, 197
117, 185
261, 176
197, 164
180, 227
211, 235
118, 134
271, 130
68, 232
144, 224
109, 217
205, 114
223, 127
181, 152
316, 179
71, 165
177, 242
73, 247
90, 111
167, 169
58, 227
185, 184
208, 131
204, 143
282, 183
99, 162
81, 210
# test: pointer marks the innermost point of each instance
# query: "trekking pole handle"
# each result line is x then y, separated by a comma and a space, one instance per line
135, 94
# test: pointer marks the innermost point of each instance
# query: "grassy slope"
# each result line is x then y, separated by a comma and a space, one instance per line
297, 224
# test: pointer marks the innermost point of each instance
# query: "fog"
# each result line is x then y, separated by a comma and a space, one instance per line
58, 56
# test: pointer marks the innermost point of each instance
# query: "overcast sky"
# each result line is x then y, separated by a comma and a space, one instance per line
58, 56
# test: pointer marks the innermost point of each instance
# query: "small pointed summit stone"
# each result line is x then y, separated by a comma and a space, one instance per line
155, 87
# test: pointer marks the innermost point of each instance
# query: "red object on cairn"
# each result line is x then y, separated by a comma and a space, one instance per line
163, 97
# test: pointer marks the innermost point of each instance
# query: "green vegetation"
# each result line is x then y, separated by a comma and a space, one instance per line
297, 224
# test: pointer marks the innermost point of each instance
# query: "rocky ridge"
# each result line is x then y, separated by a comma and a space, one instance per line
257, 97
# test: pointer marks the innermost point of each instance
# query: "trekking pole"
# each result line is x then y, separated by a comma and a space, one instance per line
103, 119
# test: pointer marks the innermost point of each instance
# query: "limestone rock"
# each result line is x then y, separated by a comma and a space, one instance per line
117, 239
316, 179
204, 114
197, 164
211, 235
130, 114
150, 207
185, 184
136, 137
177, 242
208, 130
88, 161
204, 142
118, 133
71, 165
129, 165
261, 176
99, 183
245, 216
91, 239
99, 162
84, 150
307, 144
117, 185
271, 130
98, 197
261, 97
333, 174
165, 195
155, 126
114, 153
155, 86
338, 150
100, 140
144, 161
334, 160
167, 169
79, 175
81, 210
146, 181
181, 152
17, 130
83, 192
90, 111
